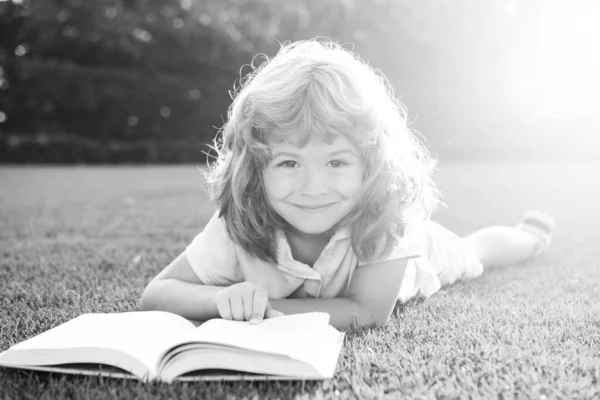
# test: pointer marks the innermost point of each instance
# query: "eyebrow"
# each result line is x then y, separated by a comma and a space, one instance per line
332, 154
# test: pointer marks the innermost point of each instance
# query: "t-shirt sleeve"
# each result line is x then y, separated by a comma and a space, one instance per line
406, 248
212, 255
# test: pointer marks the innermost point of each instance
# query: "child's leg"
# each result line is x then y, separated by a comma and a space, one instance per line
502, 245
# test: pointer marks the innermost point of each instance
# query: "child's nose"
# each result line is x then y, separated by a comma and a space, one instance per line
314, 182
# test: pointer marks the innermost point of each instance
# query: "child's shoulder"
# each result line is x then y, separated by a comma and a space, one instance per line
216, 220
215, 229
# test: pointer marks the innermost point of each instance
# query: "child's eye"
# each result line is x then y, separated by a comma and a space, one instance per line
337, 163
287, 164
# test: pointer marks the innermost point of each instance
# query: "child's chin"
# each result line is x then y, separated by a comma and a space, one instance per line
315, 225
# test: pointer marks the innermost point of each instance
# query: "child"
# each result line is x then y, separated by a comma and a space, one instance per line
324, 198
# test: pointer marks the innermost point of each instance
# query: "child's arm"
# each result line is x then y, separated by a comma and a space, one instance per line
177, 289
371, 297
370, 300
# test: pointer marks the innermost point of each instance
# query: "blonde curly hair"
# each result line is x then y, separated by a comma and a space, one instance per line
321, 89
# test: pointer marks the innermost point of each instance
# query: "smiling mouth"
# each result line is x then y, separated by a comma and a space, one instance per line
314, 208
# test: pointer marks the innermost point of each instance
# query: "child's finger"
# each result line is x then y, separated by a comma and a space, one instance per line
270, 312
248, 300
259, 305
222, 300
224, 309
237, 308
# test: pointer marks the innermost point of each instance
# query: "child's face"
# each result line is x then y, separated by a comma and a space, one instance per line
315, 186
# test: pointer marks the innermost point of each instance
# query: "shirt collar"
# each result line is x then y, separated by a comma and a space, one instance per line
286, 262
342, 233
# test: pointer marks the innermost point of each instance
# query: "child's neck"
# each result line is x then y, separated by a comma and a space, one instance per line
307, 247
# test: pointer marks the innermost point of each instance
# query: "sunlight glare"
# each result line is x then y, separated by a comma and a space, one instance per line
555, 69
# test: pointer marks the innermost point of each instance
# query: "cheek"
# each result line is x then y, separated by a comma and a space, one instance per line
276, 185
351, 184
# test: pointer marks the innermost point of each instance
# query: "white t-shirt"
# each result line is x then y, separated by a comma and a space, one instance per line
218, 261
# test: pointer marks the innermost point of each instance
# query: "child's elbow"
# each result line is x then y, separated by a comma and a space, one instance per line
144, 304
381, 319
374, 317
147, 299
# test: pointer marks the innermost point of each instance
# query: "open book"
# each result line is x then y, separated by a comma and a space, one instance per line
157, 345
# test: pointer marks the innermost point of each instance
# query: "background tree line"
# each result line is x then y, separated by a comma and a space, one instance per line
149, 81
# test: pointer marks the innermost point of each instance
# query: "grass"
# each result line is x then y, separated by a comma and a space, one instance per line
81, 239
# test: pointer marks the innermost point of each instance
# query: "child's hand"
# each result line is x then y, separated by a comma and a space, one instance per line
245, 302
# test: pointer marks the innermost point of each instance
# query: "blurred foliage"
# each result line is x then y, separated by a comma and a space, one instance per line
149, 81
119, 75
103, 81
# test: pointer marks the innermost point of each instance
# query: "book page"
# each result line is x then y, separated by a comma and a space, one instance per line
301, 336
142, 334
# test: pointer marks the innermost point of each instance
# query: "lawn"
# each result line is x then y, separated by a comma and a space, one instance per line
88, 239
